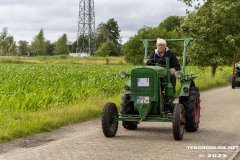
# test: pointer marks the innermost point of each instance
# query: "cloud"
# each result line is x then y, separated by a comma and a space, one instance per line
26, 18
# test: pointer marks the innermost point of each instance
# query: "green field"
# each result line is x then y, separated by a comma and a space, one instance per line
39, 97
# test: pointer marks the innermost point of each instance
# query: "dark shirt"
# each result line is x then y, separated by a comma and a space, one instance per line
156, 58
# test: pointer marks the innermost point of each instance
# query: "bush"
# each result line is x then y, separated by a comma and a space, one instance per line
108, 49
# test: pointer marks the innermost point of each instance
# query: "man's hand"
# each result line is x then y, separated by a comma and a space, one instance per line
147, 62
172, 70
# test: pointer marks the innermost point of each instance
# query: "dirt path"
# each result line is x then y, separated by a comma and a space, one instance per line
217, 138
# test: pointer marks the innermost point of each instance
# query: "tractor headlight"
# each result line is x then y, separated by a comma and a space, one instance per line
122, 74
185, 89
178, 74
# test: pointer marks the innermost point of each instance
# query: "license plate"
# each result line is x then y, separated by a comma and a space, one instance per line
143, 82
142, 100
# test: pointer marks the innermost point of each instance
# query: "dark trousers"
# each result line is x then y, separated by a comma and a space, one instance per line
173, 81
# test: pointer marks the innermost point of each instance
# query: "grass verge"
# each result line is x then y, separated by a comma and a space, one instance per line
25, 123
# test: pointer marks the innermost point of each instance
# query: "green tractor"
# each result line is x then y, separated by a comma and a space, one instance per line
148, 96
236, 72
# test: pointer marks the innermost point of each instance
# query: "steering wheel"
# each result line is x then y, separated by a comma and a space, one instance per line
156, 62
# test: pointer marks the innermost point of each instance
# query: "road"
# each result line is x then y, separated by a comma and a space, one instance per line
217, 138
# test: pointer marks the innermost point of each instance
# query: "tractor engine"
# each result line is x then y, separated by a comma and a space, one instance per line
146, 89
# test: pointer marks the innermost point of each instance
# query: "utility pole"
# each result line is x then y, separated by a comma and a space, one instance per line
86, 27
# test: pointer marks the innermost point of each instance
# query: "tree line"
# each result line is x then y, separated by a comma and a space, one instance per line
107, 40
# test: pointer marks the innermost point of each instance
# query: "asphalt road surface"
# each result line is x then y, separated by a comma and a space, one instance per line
218, 137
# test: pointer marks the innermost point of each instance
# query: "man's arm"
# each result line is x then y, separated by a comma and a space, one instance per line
174, 63
149, 60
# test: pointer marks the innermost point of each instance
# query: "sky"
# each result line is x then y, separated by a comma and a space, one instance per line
25, 18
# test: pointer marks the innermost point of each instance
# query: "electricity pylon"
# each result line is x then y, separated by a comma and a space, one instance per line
86, 27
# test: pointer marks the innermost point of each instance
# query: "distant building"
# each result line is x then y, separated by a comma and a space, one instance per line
79, 54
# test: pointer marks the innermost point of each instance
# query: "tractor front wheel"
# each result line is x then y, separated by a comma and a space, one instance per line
109, 125
127, 108
192, 109
178, 122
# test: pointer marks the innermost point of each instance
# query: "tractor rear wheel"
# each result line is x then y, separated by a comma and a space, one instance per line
178, 122
233, 82
192, 109
109, 125
128, 108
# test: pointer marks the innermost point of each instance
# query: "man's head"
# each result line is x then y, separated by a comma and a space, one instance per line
161, 45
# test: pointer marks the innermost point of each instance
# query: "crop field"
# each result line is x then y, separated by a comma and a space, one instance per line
34, 87
41, 97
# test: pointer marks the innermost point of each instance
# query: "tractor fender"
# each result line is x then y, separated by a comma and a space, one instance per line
127, 88
185, 85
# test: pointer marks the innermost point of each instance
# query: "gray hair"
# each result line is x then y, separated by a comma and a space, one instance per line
161, 41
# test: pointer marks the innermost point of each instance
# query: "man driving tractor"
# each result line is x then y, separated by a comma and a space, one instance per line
159, 55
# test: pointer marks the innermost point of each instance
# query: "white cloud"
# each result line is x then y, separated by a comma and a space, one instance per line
25, 18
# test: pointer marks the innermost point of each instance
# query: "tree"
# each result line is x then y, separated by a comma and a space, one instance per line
190, 2
101, 34
108, 48
50, 47
169, 29
171, 23
3, 36
7, 43
23, 47
38, 46
133, 49
108, 31
215, 28
61, 46
82, 43
113, 31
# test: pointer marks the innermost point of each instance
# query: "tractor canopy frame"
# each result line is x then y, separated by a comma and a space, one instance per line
185, 45
186, 79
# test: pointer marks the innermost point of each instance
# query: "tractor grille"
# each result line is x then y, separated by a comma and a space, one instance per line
143, 82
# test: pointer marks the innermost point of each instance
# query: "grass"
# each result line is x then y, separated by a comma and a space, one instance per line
64, 59
67, 101
24, 123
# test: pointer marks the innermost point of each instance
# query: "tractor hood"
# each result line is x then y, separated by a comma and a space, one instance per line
144, 86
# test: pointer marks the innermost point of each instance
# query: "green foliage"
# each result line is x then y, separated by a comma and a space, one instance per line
34, 87
82, 43
171, 23
38, 46
108, 31
133, 49
206, 81
61, 46
50, 47
3, 36
107, 60
23, 47
101, 34
7, 43
215, 29
113, 31
74, 47
191, 2
108, 48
